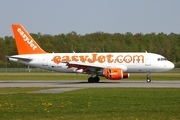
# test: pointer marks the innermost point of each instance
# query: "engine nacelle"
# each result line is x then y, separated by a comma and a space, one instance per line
114, 74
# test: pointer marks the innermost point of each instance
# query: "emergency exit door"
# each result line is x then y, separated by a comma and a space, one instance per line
45, 60
148, 60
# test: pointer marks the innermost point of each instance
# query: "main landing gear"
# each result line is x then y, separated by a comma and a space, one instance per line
93, 79
148, 77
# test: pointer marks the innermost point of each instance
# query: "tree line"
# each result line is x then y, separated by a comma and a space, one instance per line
167, 45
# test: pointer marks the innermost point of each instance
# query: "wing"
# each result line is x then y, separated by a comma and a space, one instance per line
89, 68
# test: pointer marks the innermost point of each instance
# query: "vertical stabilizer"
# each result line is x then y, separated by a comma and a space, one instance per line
24, 42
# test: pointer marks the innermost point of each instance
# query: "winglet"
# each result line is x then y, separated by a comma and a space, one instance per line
24, 42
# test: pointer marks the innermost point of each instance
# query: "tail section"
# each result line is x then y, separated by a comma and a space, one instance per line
24, 42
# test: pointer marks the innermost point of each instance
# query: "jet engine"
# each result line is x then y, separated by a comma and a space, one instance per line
114, 73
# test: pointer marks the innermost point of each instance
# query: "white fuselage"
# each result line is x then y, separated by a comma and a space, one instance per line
129, 62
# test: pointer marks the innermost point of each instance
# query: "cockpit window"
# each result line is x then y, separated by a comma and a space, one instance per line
162, 59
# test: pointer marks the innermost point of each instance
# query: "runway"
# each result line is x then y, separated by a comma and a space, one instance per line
68, 85
85, 84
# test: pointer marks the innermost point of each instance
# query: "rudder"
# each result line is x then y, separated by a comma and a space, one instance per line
24, 42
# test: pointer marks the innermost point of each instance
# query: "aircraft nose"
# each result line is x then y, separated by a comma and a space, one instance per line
170, 65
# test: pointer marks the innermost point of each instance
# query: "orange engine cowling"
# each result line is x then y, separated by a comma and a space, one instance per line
115, 74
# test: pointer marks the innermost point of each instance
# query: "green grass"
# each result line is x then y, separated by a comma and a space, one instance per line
94, 103
42, 76
71, 76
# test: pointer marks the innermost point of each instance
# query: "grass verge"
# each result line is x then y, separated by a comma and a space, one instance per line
94, 103
70, 76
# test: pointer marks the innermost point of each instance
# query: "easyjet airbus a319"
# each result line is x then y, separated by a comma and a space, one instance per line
113, 66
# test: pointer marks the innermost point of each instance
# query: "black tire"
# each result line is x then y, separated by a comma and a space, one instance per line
148, 80
91, 80
96, 79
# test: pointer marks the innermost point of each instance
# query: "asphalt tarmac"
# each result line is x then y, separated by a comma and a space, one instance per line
60, 86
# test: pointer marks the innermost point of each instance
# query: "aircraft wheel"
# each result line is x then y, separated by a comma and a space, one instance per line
91, 80
96, 79
148, 80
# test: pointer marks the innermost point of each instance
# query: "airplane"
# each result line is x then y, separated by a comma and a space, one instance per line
113, 66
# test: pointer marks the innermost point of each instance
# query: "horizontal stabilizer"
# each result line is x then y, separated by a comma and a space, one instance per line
20, 58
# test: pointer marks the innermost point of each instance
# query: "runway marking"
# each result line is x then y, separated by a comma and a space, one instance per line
57, 90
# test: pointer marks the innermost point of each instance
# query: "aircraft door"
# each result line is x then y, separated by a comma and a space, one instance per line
148, 60
45, 60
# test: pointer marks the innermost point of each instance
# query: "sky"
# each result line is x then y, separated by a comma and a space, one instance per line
88, 16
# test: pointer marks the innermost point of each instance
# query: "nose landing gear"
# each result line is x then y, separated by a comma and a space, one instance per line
148, 77
148, 80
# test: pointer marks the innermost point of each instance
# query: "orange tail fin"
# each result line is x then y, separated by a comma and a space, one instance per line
24, 42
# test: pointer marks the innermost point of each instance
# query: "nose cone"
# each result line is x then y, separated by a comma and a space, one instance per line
165, 66
170, 65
